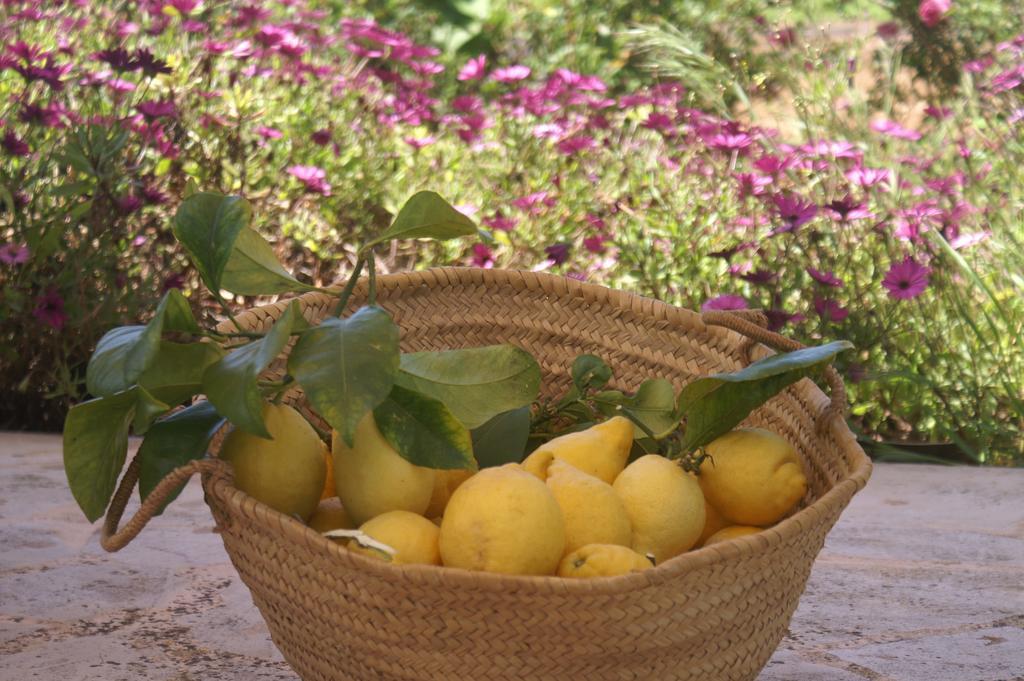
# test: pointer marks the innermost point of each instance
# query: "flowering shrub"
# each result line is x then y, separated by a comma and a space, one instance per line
894, 235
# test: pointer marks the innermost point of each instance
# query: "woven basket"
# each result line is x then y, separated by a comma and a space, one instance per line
714, 614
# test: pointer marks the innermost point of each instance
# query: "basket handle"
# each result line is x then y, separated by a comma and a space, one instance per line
114, 539
752, 323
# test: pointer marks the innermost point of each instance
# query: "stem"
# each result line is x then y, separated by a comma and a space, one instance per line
227, 310
349, 287
371, 260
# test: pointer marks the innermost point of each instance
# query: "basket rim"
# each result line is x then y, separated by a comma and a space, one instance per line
238, 502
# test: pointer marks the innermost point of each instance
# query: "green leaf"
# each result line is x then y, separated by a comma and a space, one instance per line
173, 442
590, 372
231, 384
208, 225
655, 405
176, 373
253, 269
427, 216
147, 410
124, 353
474, 383
424, 431
502, 439
715, 404
95, 445
347, 366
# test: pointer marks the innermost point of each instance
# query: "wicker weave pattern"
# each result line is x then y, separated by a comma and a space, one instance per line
713, 614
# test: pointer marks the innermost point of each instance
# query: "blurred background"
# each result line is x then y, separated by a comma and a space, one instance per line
853, 168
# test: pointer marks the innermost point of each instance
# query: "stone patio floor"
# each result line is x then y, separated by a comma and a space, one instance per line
921, 580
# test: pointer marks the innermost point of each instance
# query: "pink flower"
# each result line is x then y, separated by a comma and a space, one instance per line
14, 254
893, 129
968, 240
847, 210
870, 177
535, 203
725, 302
474, 68
50, 309
595, 244
906, 280
829, 310
511, 74
730, 142
269, 133
793, 212
932, 12
315, 179
825, 278
482, 256
184, 6
419, 142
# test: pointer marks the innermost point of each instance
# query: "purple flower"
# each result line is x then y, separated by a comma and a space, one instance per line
727, 253
893, 129
793, 212
825, 278
730, 142
14, 145
534, 203
150, 65
13, 254
558, 253
419, 142
968, 240
760, 276
50, 309
474, 69
725, 302
184, 7
906, 280
829, 310
511, 74
779, 318
128, 204
268, 133
315, 179
847, 210
482, 256
174, 280
660, 122
157, 109
595, 243
321, 137
118, 58
932, 12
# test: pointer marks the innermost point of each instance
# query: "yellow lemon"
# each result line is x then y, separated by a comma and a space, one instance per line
503, 520
445, 483
602, 560
665, 506
753, 477
600, 450
413, 537
713, 522
593, 513
538, 462
329, 488
372, 478
287, 472
330, 515
731, 532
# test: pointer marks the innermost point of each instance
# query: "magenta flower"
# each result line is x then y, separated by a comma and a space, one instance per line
848, 210
906, 280
500, 222
157, 109
315, 179
778, 318
482, 256
725, 302
14, 254
174, 280
663, 123
595, 243
14, 145
150, 65
535, 203
321, 137
894, 129
730, 142
932, 12
558, 253
825, 278
474, 69
793, 212
185, 7
511, 74
870, 177
268, 133
575, 144
50, 309
419, 142
118, 58
760, 276
829, 310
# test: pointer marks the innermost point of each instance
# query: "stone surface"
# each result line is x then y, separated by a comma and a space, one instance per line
922, 579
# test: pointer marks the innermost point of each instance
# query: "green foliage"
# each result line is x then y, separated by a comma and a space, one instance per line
423, 430
502, 439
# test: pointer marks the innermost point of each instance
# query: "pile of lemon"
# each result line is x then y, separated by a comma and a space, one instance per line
575, 507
